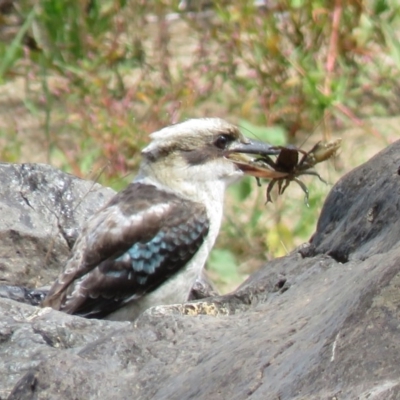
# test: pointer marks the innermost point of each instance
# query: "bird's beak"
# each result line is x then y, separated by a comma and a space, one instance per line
244, 155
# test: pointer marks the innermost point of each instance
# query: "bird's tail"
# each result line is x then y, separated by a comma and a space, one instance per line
58, 292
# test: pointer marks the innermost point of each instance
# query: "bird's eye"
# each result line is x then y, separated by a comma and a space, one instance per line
222, 141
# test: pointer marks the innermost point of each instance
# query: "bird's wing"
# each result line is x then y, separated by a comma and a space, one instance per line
131, 246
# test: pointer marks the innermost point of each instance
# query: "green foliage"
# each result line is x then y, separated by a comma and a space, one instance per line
101, 75
67, 33
10, 146
223, 267
270, 134
9, 54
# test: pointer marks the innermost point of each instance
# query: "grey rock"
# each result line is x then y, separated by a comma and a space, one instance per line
320, 323
23, 294
41, 212
358, 219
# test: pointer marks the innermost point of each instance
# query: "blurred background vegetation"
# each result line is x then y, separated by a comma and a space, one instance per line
83, 83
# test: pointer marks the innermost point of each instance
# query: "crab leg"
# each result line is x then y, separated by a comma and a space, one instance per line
305, 190
269, 189
314, 173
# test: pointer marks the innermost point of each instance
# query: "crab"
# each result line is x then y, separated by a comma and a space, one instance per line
289, 165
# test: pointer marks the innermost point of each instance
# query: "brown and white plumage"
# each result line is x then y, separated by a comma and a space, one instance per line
148, 245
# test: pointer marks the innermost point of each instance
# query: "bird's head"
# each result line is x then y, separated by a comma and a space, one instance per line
198, 153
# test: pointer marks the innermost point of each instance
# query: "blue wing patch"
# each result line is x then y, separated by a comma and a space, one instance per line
146, 257
166, 251
163, 247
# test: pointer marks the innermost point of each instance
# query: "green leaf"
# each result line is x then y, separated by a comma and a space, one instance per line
224, 263
380, 6
392, 42
275, 135
297, 3
11, 52
241, 190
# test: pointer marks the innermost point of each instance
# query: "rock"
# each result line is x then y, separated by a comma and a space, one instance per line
23, 294
320, 323
41, 211
358, 217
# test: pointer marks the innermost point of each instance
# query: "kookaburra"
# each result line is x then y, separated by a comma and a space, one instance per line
149, 244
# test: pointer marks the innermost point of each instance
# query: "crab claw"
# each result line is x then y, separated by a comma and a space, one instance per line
245, 156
